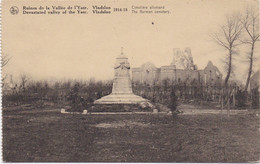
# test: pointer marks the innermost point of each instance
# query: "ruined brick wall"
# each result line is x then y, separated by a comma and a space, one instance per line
148, 74
167, 72
181, 69
255, 81
136, 75
212, 74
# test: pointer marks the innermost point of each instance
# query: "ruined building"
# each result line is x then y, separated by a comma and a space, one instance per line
182, 69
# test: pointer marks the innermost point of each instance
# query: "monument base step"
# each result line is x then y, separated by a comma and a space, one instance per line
129, 98
119, 108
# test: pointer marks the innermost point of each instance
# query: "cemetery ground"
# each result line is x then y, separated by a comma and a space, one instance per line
44, 134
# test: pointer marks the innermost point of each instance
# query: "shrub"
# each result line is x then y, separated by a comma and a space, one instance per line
255, 98
241, 98
172, 104
76, 102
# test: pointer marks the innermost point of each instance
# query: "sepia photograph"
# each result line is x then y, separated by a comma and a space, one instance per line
130, 81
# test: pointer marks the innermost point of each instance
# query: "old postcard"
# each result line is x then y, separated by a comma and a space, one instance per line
130, 81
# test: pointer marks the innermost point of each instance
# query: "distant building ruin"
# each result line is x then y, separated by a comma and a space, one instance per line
182, 69
255, 81
255, 89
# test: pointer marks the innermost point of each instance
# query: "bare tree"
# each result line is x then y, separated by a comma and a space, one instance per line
4, 61
228, 38
24, 80
250, 23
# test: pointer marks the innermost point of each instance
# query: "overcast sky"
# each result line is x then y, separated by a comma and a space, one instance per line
72, 46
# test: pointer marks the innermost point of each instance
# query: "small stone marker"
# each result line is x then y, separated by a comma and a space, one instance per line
63, 111
85, 111
143, 105
155, 110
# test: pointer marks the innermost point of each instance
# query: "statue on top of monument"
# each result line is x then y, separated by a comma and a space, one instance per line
121, 61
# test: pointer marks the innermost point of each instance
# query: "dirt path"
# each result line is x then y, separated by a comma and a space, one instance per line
189, 109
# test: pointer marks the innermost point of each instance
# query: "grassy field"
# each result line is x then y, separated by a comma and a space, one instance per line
47, 135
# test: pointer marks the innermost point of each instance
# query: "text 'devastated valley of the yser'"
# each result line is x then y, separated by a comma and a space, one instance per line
94, 9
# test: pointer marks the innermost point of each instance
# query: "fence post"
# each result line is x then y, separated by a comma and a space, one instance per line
228, 100
222, 100
234, 97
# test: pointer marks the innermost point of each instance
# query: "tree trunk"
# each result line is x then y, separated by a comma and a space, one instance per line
250, 66
229, 68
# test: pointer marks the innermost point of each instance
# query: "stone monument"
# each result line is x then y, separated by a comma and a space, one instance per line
122, 86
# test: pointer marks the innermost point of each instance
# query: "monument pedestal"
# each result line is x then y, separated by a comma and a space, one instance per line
122, 88
121, 99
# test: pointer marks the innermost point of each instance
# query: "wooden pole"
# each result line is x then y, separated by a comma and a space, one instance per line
234, 97
222, 100
228, 101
